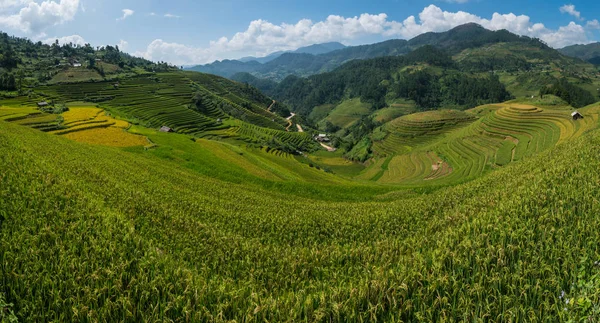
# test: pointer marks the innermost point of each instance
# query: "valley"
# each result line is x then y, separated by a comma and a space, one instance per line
447, 177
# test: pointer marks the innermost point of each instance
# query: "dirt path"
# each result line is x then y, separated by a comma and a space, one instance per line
289, 120
329, 148
299, 128
271, 106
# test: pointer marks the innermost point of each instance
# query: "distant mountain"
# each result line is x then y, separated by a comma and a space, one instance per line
261, 60
315, 49
589, 52
228, 68
306, 64
464, 67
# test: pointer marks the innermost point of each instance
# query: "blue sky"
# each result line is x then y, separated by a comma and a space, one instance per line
190, 32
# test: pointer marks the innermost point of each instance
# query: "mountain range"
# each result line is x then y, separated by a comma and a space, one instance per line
589, 52
308, 61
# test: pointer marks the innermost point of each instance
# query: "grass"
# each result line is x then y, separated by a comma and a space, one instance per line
392, 112
130, 235
348, 112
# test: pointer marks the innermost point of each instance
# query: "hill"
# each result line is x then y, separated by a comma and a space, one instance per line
84, 226
589, 52
136, 91
25, 64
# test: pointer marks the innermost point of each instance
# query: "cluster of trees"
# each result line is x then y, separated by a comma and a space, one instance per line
571, 93
376, 80
7, 82
429, 90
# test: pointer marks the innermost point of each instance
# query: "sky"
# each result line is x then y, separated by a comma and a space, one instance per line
198, 32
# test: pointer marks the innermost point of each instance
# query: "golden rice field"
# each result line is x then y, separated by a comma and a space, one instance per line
92, 126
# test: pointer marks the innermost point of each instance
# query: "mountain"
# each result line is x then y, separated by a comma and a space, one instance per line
227, 68
303, 62
521, 64
453, 41
589, 52
315, 49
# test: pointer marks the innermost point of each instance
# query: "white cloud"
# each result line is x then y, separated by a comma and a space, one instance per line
74, 39
36, 17
126, 13
123, 45
593, 24
262, 37
570, 9
168, 15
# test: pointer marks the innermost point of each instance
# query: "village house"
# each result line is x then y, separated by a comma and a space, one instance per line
165, 129
322, 138
576, 115
42, 104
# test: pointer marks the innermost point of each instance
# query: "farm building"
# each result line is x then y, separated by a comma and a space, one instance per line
165, 129
76, 64
576, 115
42, 104
322, 138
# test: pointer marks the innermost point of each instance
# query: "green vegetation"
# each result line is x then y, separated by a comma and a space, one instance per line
134, 236
422, 214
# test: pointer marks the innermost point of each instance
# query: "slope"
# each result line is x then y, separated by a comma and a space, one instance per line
589, 52
93, 233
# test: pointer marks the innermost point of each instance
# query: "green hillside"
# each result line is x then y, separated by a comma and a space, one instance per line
589, 52
96, 233
450, 183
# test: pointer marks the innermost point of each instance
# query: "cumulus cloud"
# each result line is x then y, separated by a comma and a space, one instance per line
570, 9
593, 24
73, 39
36, 17
126, 13
262, 37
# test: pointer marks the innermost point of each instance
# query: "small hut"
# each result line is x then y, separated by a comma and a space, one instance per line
576, 115
165, 129
42, 104
322, 138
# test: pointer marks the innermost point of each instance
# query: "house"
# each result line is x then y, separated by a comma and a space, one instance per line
576, 115
76, 64
165, 129
42, 104
322, 138
116, 85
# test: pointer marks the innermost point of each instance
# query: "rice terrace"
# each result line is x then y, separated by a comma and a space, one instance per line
438, 174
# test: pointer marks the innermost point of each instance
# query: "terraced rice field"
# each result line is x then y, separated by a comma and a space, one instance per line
424, 148
417, 129
166, 100
250, 133
91, 125
30, 117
